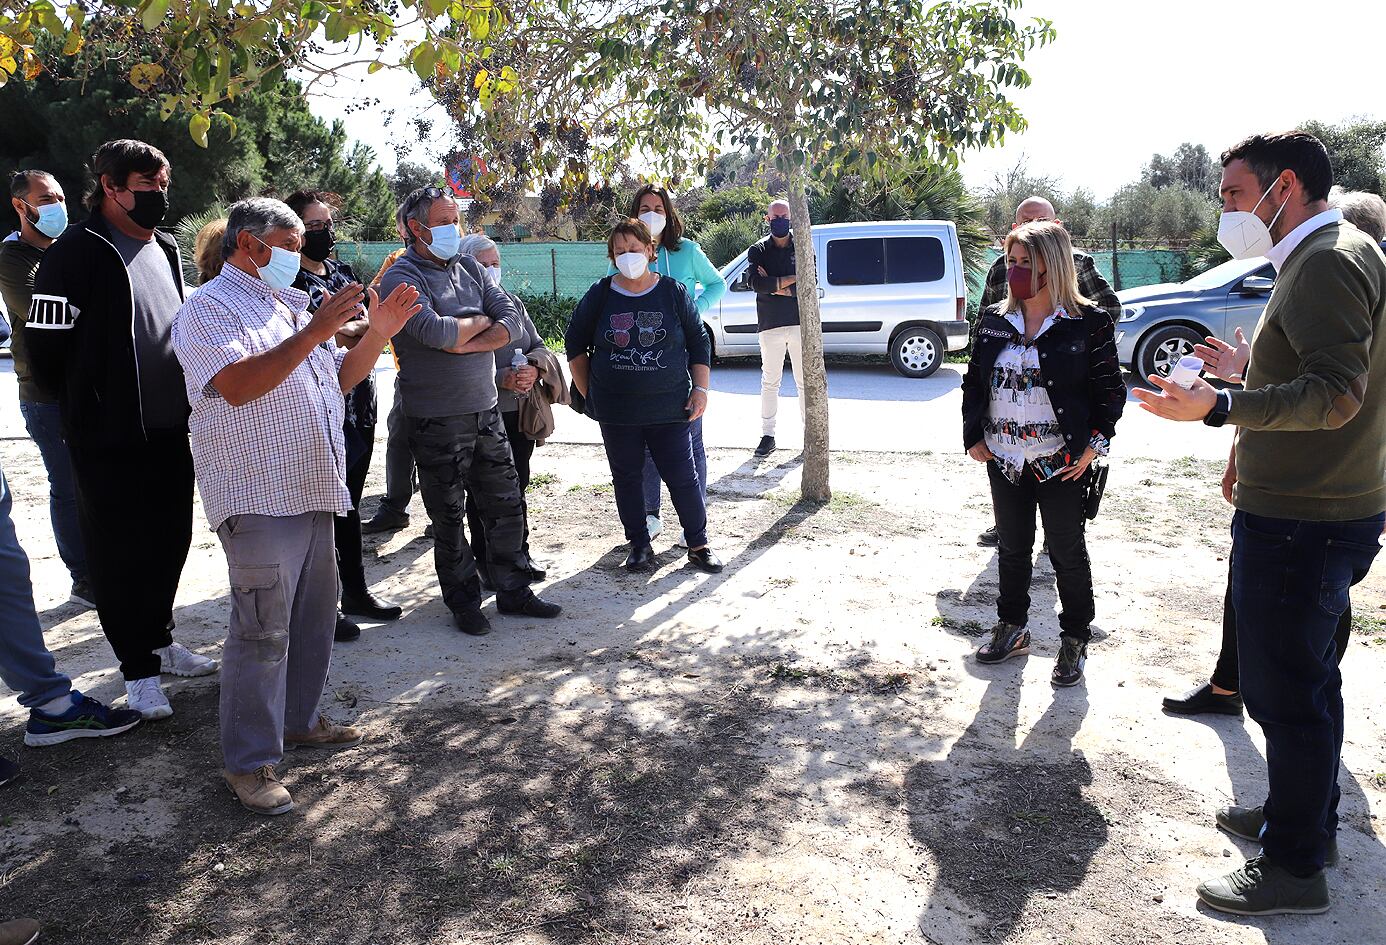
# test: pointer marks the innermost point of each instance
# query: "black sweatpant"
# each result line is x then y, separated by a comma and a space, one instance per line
470, 453
134, 505
522, 449
1061, 507
346, 529
1226, 674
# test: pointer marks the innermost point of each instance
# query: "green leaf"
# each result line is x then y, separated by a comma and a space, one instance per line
374, 67
153, 14
198, 126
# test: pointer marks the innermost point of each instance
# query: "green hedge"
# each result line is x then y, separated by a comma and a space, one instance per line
551, 316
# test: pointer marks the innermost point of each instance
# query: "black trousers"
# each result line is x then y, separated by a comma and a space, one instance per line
1226, 674
347, 528
134, 506
522, 449
670, 445
457, 456
1061, 508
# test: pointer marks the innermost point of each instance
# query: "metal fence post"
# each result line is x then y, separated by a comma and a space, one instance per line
553, 265
1116, 269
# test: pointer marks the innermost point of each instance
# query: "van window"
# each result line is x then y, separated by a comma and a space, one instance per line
881, 261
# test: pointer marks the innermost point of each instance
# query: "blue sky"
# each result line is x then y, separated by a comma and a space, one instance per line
1122, 82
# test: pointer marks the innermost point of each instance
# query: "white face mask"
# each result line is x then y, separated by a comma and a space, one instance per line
495, 273
654, 220
1245, 235
632, 265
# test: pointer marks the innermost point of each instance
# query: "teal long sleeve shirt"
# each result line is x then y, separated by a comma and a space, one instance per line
690, 266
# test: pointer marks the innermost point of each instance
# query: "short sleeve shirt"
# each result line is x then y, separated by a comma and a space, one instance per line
283, 453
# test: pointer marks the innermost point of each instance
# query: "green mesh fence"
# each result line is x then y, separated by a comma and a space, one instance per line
1134, 267
568, 269
565, 269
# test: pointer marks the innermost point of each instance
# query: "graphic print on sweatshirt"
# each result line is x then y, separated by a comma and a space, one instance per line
626, 354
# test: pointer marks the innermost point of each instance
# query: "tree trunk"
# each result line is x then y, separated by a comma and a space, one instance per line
815, 393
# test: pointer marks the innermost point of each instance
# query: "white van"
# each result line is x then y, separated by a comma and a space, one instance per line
892, 288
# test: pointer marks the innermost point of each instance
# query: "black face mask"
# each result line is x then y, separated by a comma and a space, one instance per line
151, 206
318, 244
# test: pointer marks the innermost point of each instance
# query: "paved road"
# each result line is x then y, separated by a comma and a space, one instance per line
872, 409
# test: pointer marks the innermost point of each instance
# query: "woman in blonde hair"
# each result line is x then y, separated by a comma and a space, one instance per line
207, 250
1041, 399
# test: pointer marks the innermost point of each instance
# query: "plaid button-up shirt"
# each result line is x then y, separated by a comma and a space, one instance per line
281, 454
1090, 282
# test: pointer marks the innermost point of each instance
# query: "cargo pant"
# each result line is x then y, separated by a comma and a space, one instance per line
463, 454
283, 572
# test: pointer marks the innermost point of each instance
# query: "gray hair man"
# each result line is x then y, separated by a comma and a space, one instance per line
1091, 282
1366, 211
447, 384
265, 380
771, 266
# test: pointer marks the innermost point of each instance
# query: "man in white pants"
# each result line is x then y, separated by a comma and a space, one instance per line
777, 319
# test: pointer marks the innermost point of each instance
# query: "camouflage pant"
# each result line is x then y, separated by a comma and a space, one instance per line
465, 454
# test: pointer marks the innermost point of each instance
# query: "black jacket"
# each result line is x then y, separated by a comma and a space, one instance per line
772, 311
80, 334
1079, 366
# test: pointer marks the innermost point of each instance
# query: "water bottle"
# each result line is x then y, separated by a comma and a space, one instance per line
1186, 371
519, 360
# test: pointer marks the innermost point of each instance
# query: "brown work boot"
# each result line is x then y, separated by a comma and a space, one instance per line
19, 932
326, 734
260, 791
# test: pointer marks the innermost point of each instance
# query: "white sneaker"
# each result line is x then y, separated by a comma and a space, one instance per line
683, 540
147, 698
181, 661
653, 525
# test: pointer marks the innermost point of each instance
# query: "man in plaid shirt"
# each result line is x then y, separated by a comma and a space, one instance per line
1090, 282
265, 382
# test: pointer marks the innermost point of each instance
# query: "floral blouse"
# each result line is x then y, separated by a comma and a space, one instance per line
1021, 426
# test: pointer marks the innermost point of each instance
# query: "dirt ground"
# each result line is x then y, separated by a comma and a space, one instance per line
799, 750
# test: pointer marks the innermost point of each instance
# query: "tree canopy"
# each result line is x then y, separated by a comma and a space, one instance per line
57, 120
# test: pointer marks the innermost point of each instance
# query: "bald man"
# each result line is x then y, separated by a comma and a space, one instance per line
1090, 282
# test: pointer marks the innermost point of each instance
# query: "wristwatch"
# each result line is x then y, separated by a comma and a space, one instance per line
1218, 415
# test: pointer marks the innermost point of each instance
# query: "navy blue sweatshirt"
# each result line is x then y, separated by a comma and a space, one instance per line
641, 350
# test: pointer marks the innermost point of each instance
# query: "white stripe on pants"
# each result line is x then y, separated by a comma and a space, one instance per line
774, 342
283, 613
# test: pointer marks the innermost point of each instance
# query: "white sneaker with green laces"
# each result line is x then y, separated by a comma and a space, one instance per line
178, 660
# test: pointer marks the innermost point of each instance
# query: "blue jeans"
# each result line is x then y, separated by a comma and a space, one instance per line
1290, 583
26, 666
671, 446
653, 482
45, 427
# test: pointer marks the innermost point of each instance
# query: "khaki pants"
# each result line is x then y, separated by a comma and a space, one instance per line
283, 614
774, 343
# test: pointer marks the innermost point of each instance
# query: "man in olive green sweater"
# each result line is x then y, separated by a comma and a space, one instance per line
1309, 468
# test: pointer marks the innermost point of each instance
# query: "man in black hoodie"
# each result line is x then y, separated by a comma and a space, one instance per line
99, 340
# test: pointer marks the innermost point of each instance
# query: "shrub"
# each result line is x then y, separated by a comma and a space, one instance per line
551, 316
724, 240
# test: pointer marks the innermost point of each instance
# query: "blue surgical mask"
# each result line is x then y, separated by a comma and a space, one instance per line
52, 218
282, 268
779, 226
446, 241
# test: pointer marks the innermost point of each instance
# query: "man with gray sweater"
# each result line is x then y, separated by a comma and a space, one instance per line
1308, 476
448, 386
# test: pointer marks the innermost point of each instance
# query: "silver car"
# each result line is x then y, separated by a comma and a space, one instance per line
893, 288
1161, 323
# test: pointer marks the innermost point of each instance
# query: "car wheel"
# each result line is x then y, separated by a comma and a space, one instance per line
917, 351
1163, 347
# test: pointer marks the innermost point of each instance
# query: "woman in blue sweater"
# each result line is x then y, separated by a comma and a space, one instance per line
639, 356
684, 261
